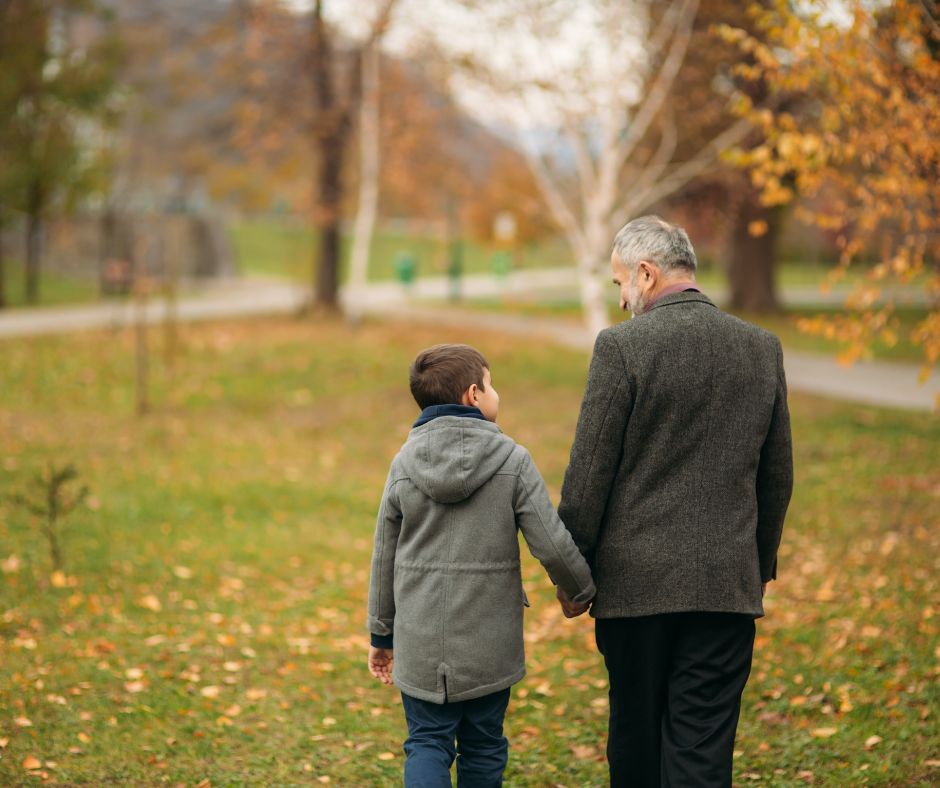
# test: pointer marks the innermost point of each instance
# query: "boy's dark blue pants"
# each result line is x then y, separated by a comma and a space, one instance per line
477, 726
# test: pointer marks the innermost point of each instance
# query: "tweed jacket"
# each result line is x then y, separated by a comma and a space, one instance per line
681, 471
446, 580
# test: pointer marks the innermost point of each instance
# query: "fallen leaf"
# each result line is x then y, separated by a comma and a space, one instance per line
323, 779
22, 722
58, 580
10, 565
31, 762
386, 756
210, 691
872, 741
134, 673
232, 666
4, 741
328, 721
150, 602
256, 694
83, 737
823, 733
183, 572
134, 686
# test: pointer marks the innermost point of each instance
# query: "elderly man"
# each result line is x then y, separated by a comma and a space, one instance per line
678, 483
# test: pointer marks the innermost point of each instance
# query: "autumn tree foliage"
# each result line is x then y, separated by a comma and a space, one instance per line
867, 139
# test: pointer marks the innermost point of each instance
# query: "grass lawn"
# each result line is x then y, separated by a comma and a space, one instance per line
208, 627
287, 251
54, 289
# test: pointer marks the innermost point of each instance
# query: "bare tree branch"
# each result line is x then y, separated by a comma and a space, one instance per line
660, 88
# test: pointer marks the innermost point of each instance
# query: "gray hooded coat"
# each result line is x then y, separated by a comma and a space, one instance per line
446, 576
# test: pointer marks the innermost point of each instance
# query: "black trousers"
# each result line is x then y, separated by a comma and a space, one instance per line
675, 695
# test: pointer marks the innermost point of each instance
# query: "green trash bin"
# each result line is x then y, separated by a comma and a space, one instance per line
406, 268
502, 264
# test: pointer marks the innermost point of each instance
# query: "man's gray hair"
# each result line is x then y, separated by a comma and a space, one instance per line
656, 241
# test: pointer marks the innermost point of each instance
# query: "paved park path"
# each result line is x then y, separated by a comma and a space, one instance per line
882, 383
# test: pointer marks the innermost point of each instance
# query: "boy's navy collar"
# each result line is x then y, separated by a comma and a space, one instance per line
434, 411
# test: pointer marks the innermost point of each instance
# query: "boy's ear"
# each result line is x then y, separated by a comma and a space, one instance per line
470, 395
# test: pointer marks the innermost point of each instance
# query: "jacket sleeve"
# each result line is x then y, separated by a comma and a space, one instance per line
546, 536
381, 614
774, 478
598, 445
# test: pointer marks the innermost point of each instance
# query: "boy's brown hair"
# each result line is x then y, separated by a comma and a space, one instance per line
442, 373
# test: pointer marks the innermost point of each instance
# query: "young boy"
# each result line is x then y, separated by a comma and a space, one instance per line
446, 582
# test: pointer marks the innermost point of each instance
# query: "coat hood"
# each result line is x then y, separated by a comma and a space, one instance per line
451, 457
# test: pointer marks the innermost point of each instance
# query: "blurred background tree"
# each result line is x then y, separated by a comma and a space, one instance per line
866, 142
57, 76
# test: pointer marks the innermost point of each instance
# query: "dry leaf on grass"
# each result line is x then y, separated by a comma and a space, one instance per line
823, 733
31, 762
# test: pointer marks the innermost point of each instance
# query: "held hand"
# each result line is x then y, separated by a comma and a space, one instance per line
568, 607
380, 663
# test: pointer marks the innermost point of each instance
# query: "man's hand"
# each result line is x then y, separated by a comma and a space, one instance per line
569, 608
380, 663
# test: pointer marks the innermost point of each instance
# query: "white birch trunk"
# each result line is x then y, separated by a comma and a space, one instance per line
368, 181
593, 302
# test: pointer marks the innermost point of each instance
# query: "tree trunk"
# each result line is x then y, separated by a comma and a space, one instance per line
33, 242
329, 199
368, 178
752, 257
3, 273
330, 134
593, 302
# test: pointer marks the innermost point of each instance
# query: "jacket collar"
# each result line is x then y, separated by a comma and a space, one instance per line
435, 411
684, 297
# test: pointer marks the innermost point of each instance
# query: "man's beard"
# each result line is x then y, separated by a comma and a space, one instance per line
636, 302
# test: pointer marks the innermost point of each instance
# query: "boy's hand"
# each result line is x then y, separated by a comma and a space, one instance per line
380, 663
569, 608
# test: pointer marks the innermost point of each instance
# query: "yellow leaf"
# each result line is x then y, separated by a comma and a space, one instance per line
134, 673
386, 756
58, 579
210, 691
22, 722
823, 733
328, 721
4, 741
134, 686
83, 737
872, 741
150, 602
183, 572
31, 762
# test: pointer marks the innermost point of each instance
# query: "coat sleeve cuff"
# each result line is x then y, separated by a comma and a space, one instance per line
381, 641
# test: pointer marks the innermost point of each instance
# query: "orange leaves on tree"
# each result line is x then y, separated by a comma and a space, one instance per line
867, 133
